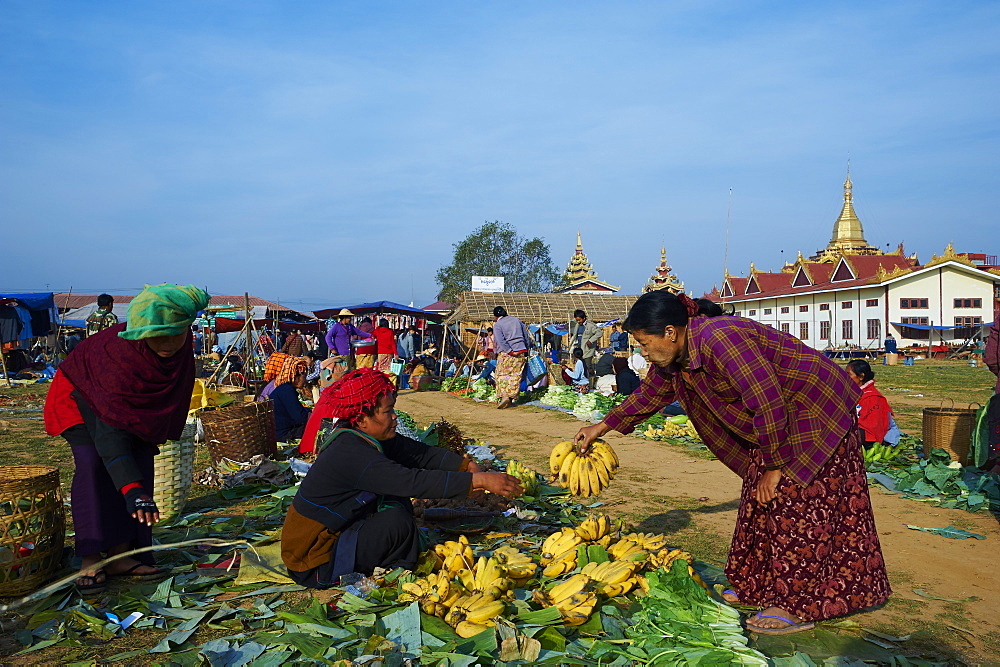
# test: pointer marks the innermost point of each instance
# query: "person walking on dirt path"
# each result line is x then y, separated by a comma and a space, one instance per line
512, 341
781, 416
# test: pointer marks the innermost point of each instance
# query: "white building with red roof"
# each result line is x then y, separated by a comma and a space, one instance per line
839, 298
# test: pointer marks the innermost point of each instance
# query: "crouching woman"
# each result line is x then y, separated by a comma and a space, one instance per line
352, 512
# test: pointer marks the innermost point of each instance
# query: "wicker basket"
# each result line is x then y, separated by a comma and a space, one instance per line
240, 432
173, 472
32, 527
949, 429
238, 393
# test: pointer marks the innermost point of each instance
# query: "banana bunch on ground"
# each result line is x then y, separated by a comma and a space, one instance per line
434, 593
573, 598
524, 474
596, 530
488, 576
648, 541
559, 554
673, 427
520, 567
583, 474
471, 614
453, 556
627, 550
614, 577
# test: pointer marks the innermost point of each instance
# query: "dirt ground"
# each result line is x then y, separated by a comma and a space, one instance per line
665, 488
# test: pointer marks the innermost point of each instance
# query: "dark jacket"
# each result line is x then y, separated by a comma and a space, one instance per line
289, 412
351, 477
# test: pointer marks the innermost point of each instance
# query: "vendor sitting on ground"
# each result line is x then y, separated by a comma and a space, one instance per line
290, 416
575, 373
352, 512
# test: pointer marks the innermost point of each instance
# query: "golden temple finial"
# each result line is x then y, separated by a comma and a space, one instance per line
663, 277
848, 236
753, 269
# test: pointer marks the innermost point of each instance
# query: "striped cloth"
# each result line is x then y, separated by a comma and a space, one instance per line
752, 387
274, 364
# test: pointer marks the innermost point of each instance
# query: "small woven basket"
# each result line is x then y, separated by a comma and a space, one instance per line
949, 429
239, 393
240, 432
173, 472
32, 527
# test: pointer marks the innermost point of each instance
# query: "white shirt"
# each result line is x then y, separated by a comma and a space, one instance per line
636, 362
604, 385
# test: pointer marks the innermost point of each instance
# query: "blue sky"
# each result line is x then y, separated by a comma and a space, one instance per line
324, 153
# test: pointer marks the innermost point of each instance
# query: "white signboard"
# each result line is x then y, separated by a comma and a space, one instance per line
487, 283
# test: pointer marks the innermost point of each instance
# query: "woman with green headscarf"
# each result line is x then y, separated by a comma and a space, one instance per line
120, 394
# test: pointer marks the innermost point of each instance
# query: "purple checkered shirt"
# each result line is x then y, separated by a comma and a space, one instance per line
751, 386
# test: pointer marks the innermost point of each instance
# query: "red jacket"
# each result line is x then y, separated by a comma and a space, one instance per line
385, 341
873, 413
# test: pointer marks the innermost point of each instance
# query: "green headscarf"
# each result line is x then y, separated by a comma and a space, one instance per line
163, 310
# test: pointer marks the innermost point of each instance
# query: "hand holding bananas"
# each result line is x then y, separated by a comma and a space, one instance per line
584, 474
500, 483
588, 434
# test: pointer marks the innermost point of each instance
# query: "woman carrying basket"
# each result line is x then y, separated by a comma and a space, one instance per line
121, 393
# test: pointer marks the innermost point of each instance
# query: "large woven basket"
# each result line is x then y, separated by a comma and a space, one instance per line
32, 527
949, 429
173, 472
240, 432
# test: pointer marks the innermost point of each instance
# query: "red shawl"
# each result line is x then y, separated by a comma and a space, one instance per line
129, 386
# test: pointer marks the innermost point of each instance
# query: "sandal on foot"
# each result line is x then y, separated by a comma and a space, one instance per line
730, 591
142, 576
787, 630
92, 583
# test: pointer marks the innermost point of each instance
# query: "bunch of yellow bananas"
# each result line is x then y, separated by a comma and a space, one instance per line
648, 541
454, 556
573, 599
520, 567
665, 557
615, 577
671, 430
488, 576
627, 550
527, 476
434, 593
583, 474
596, 529
471, 614
559, 554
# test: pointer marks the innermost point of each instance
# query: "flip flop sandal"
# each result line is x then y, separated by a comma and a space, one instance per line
730, 591
141, 576
220, 568
94, 585
792, 626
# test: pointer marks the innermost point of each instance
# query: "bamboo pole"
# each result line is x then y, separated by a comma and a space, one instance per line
3, 363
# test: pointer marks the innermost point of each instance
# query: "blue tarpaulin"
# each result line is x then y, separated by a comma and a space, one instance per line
30, 315
926, 327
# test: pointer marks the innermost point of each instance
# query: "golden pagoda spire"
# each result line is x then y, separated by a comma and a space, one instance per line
663, 278
848, 235
579, 267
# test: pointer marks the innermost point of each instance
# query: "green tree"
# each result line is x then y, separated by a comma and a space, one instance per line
496, 249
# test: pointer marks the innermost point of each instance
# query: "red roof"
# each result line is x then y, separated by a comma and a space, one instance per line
73, 301
864, 268
440, 307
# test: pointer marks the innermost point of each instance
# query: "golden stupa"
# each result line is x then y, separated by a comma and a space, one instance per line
848, 235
